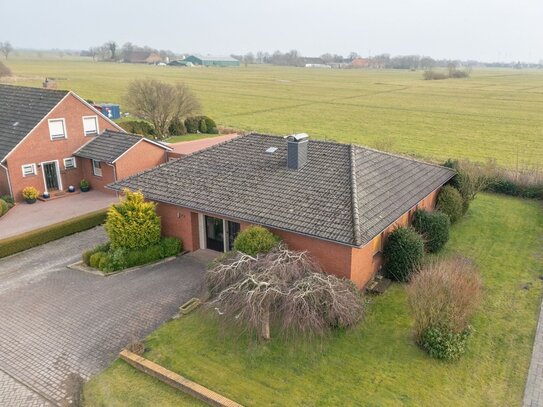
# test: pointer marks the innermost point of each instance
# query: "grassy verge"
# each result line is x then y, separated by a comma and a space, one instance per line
377, 363
46, 234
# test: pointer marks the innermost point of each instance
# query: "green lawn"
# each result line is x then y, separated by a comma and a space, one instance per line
377, 363
495, 113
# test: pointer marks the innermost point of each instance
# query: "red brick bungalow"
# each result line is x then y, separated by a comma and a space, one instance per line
337, 201
40, 131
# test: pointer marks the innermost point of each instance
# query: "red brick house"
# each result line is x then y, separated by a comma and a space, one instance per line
42, 129
337, 201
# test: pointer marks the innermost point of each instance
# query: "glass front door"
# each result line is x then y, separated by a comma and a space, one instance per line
51, 176
214, 234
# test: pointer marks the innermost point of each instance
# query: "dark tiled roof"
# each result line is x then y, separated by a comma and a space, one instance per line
344, 193
108, 146
21, 109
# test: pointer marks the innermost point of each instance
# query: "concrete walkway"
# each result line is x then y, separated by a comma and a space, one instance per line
24, 217
533, 395
189, 147
60, 326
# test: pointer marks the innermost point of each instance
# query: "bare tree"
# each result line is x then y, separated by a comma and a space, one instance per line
161, 103
283, 287
6, 48
112, 47
92, 52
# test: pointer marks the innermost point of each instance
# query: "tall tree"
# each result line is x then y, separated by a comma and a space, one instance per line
112, 47
161, 103
6, 48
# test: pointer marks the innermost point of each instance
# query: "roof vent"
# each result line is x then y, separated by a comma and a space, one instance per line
297, 150
271, 150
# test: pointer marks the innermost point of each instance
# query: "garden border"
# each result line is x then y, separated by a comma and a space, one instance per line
177, 381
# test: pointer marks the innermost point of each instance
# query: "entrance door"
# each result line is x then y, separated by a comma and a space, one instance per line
51, 176
214, 234
233, 230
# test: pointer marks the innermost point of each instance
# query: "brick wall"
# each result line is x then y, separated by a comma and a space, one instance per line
96, 181
38, 147
142, 156
4, 182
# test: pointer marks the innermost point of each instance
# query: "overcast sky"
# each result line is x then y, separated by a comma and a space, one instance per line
487, 30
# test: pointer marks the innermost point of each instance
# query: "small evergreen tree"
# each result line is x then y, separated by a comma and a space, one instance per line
434, 228
133, 223
403, 253
255, 240
450, 202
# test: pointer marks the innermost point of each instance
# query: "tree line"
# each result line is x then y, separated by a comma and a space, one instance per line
111, 51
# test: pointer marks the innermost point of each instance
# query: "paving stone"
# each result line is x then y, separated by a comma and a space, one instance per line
72, 324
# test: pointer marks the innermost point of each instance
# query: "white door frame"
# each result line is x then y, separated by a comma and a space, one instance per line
57, 167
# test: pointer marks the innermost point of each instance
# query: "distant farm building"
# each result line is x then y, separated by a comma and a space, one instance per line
360, 63
143, 57
210, 60
180, 62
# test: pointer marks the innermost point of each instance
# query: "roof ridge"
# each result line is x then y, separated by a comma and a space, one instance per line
35, 88
402, 156
354, 198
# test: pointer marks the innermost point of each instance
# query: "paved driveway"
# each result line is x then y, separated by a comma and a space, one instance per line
59, 323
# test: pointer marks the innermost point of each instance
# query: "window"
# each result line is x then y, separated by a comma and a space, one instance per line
69, 163
97, 168
29, 170
90, 125
57, 129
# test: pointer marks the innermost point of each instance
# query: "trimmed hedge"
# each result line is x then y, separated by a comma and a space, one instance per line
508, 187
403, 253
255, 240
202, 124
107, 260
434, 228
451, 203
37, 237
140, 127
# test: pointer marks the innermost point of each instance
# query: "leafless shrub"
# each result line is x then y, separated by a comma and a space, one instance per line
161, 103
445, 293
283, 288
4, 70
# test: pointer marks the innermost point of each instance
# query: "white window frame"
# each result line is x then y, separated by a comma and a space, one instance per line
72, 159
96, 171
65, 135
34, 170
97, 126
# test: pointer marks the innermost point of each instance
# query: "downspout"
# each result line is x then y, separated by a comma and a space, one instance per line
114, 176
9, 180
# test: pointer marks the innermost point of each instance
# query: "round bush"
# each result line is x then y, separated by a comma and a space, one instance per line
191, 124
202, 127
441, 343
450, 202
254, 240
403, 253
434, 228
96, 258
177, 128
4, 207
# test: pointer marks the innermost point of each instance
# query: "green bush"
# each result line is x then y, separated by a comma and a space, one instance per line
441, 343
450, 202
211, 125
171, 246
139, 127
9, 200
255, 240
87, 254
177, 128
46, 234
192, 124
4, 207
96, 259
202, 126
133, 223
433, 227
403, 253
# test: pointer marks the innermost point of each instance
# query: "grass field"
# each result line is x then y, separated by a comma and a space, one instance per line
376, 364
494, 114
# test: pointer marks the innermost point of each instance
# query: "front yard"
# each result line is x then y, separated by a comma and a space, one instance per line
376, 364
